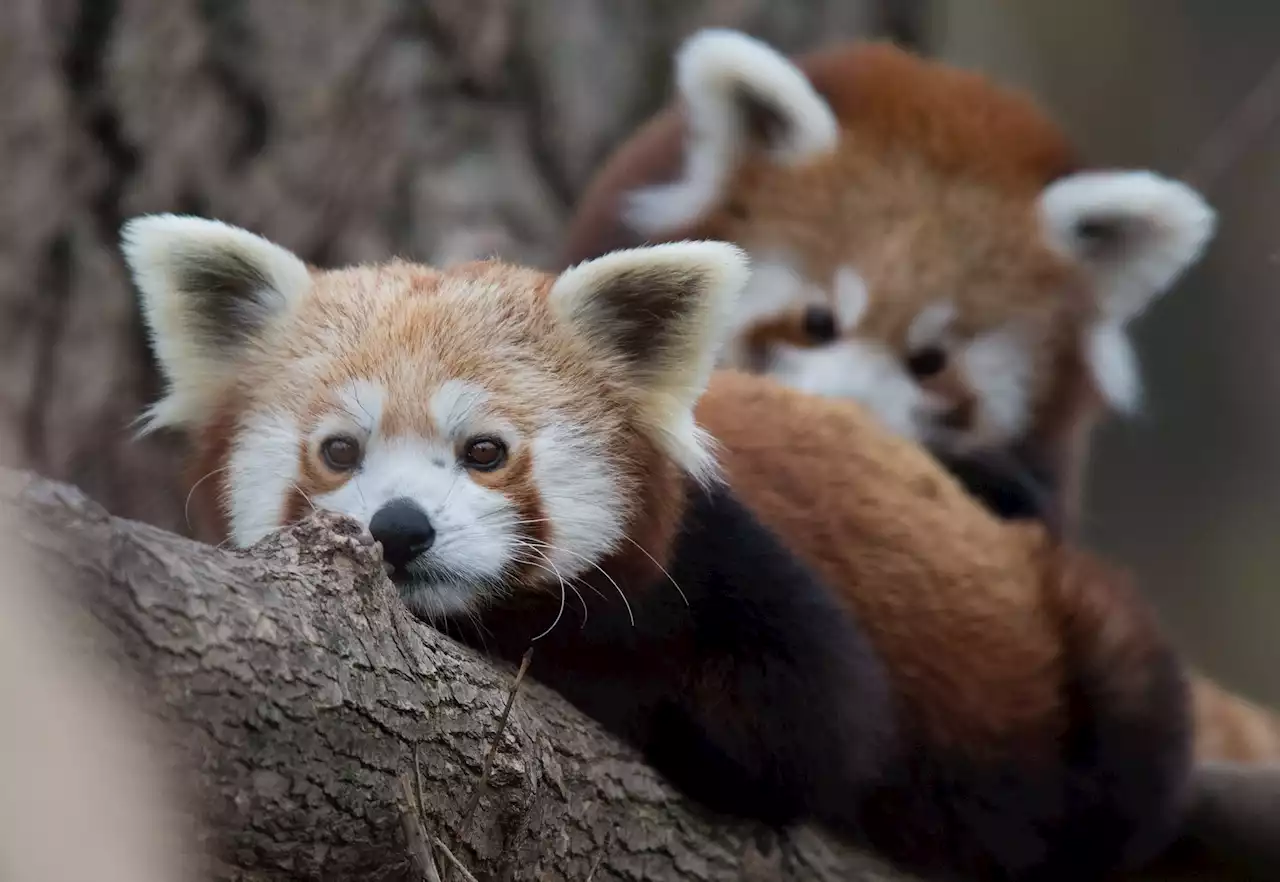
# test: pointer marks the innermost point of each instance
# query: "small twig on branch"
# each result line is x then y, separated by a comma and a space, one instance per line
497, 738
416, 837
457, 864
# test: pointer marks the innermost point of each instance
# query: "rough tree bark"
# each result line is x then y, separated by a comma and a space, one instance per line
345, 129
314, 729
295, 691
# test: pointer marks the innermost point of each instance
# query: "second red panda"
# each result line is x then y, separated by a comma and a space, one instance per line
925, 242
928, 244
551, 458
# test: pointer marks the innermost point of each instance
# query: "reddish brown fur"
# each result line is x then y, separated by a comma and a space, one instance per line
969, 611
960, 604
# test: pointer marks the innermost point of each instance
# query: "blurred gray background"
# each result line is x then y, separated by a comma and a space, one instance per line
442, 130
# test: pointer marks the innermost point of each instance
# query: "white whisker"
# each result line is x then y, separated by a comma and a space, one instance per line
301, 493
186, 506
531, 562
661, 567
595, 565
563, 594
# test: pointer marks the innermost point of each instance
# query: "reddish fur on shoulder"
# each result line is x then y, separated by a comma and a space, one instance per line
969, 612
972, 613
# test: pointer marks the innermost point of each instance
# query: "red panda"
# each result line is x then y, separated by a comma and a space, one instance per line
925, 242
794, 614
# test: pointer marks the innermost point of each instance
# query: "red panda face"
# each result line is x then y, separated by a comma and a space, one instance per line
953, 351
920, 240
492, 426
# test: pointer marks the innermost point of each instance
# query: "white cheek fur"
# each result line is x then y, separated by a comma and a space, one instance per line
999, 370
996, 366
862, 371
262, 470
580, 498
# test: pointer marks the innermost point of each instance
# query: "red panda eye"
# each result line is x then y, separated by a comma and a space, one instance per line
818, 324
484, 454
927, 362
341, 453
737, 210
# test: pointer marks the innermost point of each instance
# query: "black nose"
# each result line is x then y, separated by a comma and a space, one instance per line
404, 530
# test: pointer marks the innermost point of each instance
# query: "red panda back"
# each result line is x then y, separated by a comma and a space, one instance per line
957, 120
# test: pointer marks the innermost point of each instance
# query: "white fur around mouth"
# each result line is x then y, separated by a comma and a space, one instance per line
437, 596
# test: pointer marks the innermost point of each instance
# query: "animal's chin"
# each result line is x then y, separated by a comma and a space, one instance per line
949, 442
942, 440
437, 593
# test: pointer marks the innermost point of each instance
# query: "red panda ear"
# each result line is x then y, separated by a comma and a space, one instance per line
1135, 233
739, 95
661, 313
206, 289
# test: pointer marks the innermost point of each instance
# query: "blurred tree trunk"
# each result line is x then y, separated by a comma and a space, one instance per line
344, 130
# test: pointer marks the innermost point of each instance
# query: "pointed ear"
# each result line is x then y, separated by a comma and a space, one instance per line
739, 95
207, 291
662, 314
1135, 232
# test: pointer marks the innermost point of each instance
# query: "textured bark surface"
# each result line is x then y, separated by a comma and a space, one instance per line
435, 129
301, 710
296, 689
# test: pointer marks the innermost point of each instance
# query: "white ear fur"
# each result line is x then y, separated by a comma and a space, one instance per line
1110, 357
1135, 232
663, 312
206, 289
722, 75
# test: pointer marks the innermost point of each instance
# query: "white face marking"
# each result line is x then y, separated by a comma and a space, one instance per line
861, 370
998, 368
579, 497
851, 298
360, 413
458, 411
262, 471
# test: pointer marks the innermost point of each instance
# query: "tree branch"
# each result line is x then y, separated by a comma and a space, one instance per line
296, 690
320, 731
